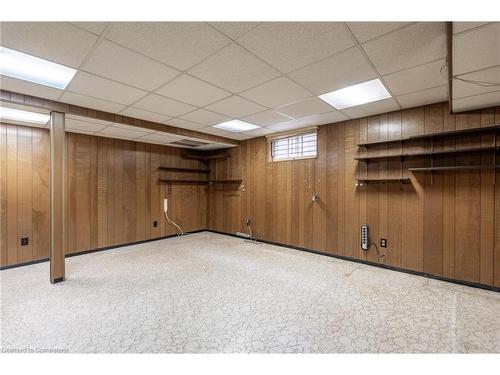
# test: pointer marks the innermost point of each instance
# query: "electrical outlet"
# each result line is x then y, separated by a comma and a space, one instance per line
383, 242
155, 223
24, 241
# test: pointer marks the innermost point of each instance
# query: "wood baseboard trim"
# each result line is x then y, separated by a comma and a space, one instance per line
96, 250
385, 266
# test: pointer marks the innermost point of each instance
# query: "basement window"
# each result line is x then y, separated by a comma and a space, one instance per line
294, 146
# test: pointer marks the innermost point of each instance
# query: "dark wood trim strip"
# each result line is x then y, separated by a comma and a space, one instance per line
449, 60
385, 266
97, 250
51, 105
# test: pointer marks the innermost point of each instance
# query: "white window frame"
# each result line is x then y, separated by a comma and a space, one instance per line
289, 136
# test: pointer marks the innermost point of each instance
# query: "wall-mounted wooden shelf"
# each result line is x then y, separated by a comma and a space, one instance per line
183, 182
184, 170
226, 181
454, 168
427, 153
198, 182
433, 135
384, 180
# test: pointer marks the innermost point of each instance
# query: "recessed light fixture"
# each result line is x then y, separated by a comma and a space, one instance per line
362, 93
23, 116
33, 69
236, 126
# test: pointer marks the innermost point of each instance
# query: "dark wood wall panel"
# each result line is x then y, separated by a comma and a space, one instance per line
445, 224
113, 196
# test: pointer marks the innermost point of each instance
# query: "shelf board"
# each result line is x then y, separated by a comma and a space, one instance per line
197, 182
388, 179
183, 182
454, 168
184, 170
431, 135
429, 153
226, 181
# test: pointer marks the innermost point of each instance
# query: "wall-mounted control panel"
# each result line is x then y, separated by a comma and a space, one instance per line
365, 244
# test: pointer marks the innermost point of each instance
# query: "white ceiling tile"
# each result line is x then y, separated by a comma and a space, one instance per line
291, 45
193, 91
118, 63
382, 106
235, 106
266, 118
364, 31
94, 27
477, 49
324, 118
408, 47
157, 137
162, 105
234, 69
336, 72
429, 96
178, 44
89, 102
459, 27
260, 132
86, 126
102, 88
242, 136
415, 79
219, 132
203, 116
308, 107
462, 89
475, 102
277, 92
59, 42
145, 115
28, 88
185, 124
120, 132
234, 29
288, 125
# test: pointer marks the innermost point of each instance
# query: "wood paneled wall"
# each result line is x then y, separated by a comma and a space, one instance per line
112, 193
447, 224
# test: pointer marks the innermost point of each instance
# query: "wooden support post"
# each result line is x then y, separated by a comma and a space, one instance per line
57, 193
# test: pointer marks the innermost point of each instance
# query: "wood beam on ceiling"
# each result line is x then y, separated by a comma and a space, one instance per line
51, 105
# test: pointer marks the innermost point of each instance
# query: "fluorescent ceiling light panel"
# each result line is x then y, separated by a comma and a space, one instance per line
23, 116
33, 69
236, 126
362, 93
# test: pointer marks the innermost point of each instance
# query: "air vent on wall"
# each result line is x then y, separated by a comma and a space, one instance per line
188, 143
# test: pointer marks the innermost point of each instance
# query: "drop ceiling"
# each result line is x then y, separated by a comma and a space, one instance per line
194, 75
476, 63
85, 125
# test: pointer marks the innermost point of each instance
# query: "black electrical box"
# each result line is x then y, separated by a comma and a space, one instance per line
24, 241
155, 223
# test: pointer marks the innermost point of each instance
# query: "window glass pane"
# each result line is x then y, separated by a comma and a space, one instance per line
296, 146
